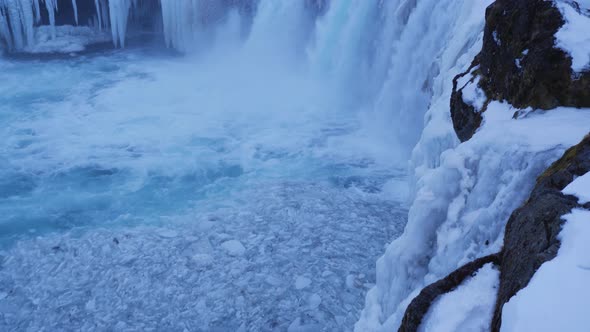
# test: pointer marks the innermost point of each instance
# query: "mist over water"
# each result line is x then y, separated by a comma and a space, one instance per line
239, 185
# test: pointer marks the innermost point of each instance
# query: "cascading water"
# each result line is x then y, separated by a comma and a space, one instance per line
249, 185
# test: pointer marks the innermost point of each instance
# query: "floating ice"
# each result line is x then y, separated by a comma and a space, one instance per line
234, 248
302, 282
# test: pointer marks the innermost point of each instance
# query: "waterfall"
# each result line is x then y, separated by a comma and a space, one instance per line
278, 25
433, 42
398, 57
342, 39
390, 54
180, 22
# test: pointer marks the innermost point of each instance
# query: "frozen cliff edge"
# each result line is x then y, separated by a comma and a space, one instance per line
519, 106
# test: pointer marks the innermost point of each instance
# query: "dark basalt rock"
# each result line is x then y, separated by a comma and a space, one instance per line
531, 233
466, 119
420, 305
520, 63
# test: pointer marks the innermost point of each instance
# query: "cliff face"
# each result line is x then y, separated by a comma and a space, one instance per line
519, 65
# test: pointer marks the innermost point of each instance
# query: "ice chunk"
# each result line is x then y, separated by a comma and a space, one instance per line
302, 282
203, 260
234, 248
314, 301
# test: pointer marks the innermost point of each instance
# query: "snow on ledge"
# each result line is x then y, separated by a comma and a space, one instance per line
462, 205
468, 308
558, 296
573, 37
580, 187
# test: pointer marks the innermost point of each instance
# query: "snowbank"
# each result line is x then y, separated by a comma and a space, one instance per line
580, 188
571, 37
467, 308
461, 206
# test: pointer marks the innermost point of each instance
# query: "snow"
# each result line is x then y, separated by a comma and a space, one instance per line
570, 36
461, 199
461, 206
467, 308
474, 95
131, 188
580, 187
558, 296
400, 270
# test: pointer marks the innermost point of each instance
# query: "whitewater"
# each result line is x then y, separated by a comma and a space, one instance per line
240, 175
224, 190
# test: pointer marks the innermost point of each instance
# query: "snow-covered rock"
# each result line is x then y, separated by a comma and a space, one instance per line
571, 36
465, 194
468, 308
580, 188
558, 296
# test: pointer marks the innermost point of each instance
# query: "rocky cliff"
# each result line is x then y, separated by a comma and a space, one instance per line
520, 65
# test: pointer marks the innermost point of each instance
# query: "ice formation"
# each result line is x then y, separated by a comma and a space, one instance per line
397, 57
463, 193
18, 19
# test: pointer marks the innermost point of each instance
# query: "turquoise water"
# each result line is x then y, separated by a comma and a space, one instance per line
128, 167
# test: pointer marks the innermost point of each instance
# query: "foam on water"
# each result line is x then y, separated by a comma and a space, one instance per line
123, 174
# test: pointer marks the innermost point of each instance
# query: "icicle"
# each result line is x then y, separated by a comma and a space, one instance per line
4, 29
98, 14
75, 6
180, 19
119, 14
104, 13
37, 11
51, 6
